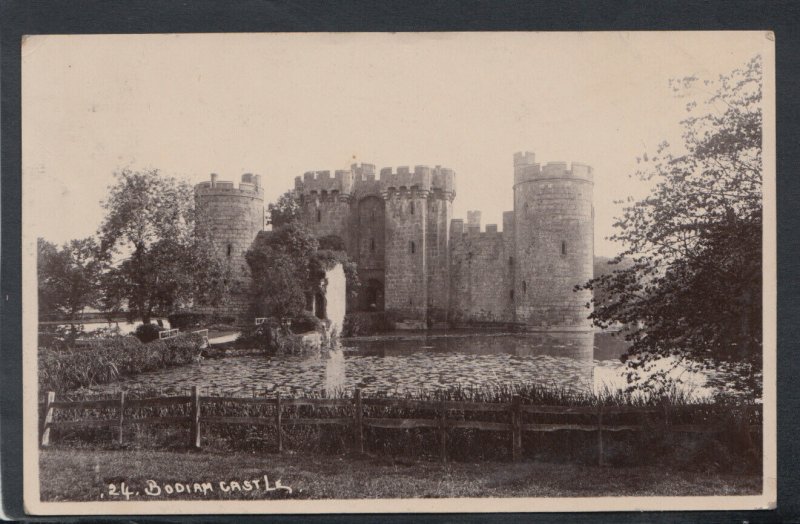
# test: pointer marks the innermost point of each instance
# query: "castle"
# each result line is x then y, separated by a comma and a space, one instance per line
420, 265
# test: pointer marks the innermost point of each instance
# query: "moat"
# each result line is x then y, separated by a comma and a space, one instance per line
577, 362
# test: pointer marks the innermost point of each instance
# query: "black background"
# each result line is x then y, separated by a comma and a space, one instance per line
20, 17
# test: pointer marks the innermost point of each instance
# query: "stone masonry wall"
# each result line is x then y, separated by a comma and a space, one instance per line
327, 215
234, 217
481, 276
554, 246
525, 275
406, 275
438, 257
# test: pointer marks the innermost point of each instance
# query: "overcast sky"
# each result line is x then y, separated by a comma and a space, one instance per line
279, 105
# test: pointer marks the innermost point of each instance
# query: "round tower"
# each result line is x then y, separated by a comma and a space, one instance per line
234, 216
554, 244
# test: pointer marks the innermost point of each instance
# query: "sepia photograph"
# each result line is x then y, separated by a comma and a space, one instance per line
396, 272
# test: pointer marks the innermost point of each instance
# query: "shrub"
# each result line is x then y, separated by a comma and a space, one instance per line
106, 360
219, 319
364, 323
187, 320
305, 323
148, 332
264, 336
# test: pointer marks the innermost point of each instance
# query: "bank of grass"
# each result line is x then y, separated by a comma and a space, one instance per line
108, 359
82, 475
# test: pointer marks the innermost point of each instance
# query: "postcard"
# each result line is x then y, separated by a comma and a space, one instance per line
398, 272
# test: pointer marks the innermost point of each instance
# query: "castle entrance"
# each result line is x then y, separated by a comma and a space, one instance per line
372, 296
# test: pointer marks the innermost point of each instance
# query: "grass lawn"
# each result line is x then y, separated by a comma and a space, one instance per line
79, 475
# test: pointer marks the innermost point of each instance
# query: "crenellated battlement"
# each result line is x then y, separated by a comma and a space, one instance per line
363, 172
250, 186
362, 178
524, 158
405, 178
526, 169
461, 231
438, 180
321, 182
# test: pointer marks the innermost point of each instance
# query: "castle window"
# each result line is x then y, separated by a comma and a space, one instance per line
372, 244
412, 208
413, 247
230, 248
563, 247
511, 294
524, 287
511, 262
319, 215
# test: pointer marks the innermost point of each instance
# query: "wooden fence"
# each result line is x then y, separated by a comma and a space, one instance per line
515, 410
168, 333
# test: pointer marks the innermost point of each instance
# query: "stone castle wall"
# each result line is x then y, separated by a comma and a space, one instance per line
417, 262
394, 225
554, 243
481, 275
437, 246
233, 215
406, 265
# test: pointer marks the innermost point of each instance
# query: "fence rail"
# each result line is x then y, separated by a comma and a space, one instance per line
439, 420
168, 333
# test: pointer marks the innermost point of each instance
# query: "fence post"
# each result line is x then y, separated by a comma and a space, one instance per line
443, 430
121, 415
359, 422
48, 418
600, 434
516, 428
278, 420
195, 418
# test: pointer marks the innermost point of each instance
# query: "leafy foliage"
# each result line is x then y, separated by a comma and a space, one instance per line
147, 332
109, 359
288, 267
68, 277
692, 287
279, 264
168, 258
285, 211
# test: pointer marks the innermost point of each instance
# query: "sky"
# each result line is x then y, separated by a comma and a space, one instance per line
282, 104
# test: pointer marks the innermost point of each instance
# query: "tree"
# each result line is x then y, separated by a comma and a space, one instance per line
67, 277
167, 257
288, 265
284, 211
279, 265
692, 290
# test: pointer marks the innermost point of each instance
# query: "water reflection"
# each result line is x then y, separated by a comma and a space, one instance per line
335, 377
582, 362
570, 345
